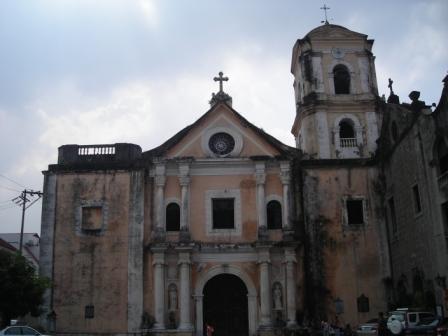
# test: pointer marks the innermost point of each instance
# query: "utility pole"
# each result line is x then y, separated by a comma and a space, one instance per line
22, 201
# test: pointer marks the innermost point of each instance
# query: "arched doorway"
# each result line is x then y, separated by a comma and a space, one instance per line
225, 305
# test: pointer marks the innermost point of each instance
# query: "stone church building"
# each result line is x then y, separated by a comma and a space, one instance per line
223, 224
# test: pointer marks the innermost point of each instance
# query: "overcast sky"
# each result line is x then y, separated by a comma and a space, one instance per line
106, 71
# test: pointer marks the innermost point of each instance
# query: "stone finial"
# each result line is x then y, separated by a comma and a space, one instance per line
393, 98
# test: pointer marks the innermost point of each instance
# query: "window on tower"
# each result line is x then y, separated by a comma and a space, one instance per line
341, 77
355, 212
347, 134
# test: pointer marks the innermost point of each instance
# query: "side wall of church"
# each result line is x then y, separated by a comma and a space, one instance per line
411, 172
91, 268
346, 261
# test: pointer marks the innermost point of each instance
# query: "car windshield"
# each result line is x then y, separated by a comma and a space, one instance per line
396, 316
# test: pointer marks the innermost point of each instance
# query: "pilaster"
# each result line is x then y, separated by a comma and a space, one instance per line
260, 177
184, 181
184, 263
159, 200
159, 287
285, 177
265, 288
290, 262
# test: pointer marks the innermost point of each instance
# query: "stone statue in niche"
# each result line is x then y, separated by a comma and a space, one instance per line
172, 297
277, 296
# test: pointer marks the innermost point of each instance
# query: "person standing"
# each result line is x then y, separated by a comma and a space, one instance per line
209, 329
382, 325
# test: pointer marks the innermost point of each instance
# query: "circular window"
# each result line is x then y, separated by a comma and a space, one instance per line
221, 143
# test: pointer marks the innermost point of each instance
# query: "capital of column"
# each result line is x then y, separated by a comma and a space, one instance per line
285, 170
184, 259
158, 259
184, 167
160, 180
184, 181
260, 172
290, 256
198, 297
264, 257
260, 178
285, 177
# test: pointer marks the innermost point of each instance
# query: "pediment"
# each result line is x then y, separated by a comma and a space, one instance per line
221, 133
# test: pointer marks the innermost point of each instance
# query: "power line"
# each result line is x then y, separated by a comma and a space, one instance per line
7, 188
6, 207
11, 180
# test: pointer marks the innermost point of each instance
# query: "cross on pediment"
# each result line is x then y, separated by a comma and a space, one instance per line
220, 79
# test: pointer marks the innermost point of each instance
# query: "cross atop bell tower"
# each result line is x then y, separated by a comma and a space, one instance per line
325, 8
221, 96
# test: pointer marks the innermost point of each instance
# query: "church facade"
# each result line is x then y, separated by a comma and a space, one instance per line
223, 225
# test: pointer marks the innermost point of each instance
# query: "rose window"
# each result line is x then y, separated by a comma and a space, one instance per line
221, 143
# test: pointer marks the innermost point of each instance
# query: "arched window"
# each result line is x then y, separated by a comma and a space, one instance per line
442, 157
172, 217
347, 134
274, 215
341, 77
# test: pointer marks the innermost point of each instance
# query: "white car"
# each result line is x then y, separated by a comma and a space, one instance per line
401, 319
19, 331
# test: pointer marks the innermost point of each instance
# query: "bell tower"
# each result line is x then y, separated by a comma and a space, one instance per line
335, 93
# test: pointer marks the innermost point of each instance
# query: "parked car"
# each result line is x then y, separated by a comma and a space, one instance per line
19, 331
426, 326
401, 319
369, 328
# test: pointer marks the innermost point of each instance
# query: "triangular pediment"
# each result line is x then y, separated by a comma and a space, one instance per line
221, 133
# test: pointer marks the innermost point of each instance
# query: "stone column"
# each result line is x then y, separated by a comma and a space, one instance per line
286, 180
159, 288
265, 289
260, 177
185, 316
184, 180
290, 261
159, 199
199, 317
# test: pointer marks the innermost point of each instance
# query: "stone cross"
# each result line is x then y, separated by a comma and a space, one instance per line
325, 8
220, 79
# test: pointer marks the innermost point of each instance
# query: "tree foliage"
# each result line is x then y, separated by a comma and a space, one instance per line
21, 289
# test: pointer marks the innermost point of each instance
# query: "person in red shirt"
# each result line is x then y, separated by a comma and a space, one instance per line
210, 330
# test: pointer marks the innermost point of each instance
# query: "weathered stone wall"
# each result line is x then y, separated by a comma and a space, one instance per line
92, 269
344, 261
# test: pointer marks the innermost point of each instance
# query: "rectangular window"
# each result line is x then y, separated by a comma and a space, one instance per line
223, 213
89, 312
417, 202
355, 211
92, 218
392, 215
